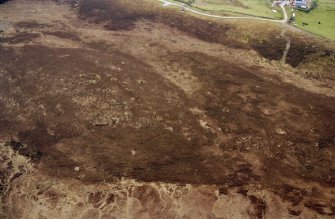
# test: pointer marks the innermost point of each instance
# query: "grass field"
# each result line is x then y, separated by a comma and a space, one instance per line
260, 8
323, 13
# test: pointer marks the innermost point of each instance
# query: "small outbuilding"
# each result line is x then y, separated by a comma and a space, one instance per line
303, 4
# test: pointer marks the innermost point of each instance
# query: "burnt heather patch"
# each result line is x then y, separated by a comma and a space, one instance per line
272, 119
99, 112
117, 15
3, 1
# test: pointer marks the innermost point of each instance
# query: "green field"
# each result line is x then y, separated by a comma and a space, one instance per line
259, 8
323, 13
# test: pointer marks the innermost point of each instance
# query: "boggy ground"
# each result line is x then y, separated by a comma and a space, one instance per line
109, 109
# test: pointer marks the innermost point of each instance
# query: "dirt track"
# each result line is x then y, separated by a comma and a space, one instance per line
116, 112
284, 20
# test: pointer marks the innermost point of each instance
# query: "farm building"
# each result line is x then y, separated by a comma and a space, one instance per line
302, 4
298, 4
